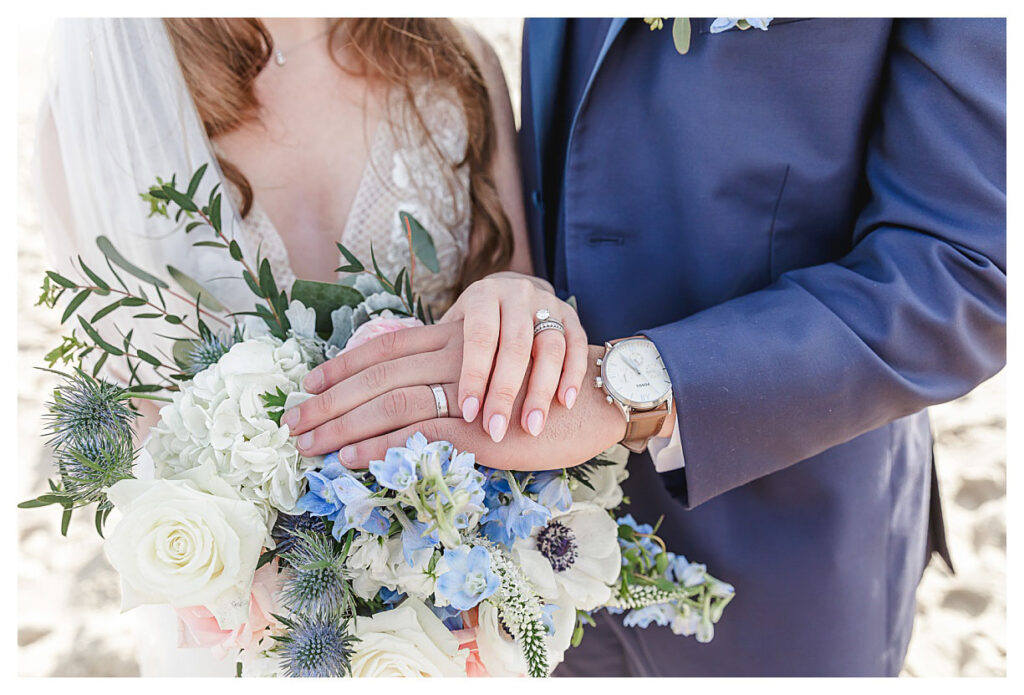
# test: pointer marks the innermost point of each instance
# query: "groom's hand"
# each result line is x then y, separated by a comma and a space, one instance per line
376, 395
572, 436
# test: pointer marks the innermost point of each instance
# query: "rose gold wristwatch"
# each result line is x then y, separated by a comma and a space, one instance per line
634, 378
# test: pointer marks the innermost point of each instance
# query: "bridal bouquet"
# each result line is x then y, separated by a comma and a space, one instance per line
429, 563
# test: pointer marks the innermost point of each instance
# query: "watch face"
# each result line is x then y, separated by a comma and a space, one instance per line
634, 374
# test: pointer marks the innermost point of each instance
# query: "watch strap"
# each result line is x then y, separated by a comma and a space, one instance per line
642, 426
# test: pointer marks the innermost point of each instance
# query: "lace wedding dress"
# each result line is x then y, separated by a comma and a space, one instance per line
117, 115
402, 174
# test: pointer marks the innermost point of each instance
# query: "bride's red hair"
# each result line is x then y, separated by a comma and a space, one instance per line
220, 59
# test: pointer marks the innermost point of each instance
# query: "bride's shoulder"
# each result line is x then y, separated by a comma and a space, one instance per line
486, 57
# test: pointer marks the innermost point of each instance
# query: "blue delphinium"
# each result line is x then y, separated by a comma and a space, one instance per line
335, 493
726, 23
360, 510
443, 486
322, 500
660, 614
642, 547
551, 489
689, 574
469, 578
398, 469
415, 536
390, 597
449, 615
515, 518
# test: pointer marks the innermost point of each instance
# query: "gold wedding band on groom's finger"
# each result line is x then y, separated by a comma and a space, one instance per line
440, 400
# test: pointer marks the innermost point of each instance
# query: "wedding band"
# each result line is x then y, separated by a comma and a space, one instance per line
548, 325
440, 400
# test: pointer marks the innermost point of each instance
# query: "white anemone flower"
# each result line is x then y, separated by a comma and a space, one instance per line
503, 657
605, 489
575, 554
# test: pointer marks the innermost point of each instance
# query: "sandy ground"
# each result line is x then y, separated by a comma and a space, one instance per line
68, 619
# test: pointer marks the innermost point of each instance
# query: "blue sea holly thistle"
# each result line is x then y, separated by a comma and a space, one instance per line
317, 646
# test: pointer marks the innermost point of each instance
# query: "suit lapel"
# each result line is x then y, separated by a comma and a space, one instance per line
546, 43
613, 31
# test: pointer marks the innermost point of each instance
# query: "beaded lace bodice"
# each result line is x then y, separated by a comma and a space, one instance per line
403, 173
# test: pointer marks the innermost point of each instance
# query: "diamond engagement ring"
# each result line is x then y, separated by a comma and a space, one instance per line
548, 325
440, 400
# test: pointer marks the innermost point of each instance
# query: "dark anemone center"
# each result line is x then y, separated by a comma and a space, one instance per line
557, 543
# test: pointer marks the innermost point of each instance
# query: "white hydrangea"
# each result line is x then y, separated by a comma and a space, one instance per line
219, 417
376, 562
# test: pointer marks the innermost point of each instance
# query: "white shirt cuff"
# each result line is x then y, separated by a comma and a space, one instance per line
667, 452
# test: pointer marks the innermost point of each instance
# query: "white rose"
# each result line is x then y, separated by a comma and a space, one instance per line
407, 641
189, 541
503, 657
575, 554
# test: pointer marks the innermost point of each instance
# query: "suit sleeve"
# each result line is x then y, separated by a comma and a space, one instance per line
913, 315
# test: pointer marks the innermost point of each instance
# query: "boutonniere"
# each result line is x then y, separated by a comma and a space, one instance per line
681, 27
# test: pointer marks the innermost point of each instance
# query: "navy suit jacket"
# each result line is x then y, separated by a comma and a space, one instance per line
809, 222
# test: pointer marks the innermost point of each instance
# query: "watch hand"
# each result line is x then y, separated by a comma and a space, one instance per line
632, 364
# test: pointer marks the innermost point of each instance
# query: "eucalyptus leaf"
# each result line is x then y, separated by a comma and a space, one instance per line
354, 266
215, 212
103, 345
61, 280
421, 241
183, 201
195, 290
193, 185
115, 257
102, 287
65, 521
74, 304
106, 310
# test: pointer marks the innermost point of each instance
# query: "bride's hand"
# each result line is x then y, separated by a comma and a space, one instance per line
498, 315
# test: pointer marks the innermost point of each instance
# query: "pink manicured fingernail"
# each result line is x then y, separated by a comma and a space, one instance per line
535, 422
347, 455
496, 427
570, 398
291, 418
313, 381
305, 441
470, 407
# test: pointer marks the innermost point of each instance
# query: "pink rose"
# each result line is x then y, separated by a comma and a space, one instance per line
198, 628
467, 640
385, 323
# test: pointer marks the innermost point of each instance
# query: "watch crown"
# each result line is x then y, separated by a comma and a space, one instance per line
609, 399
598, 382
599, 361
